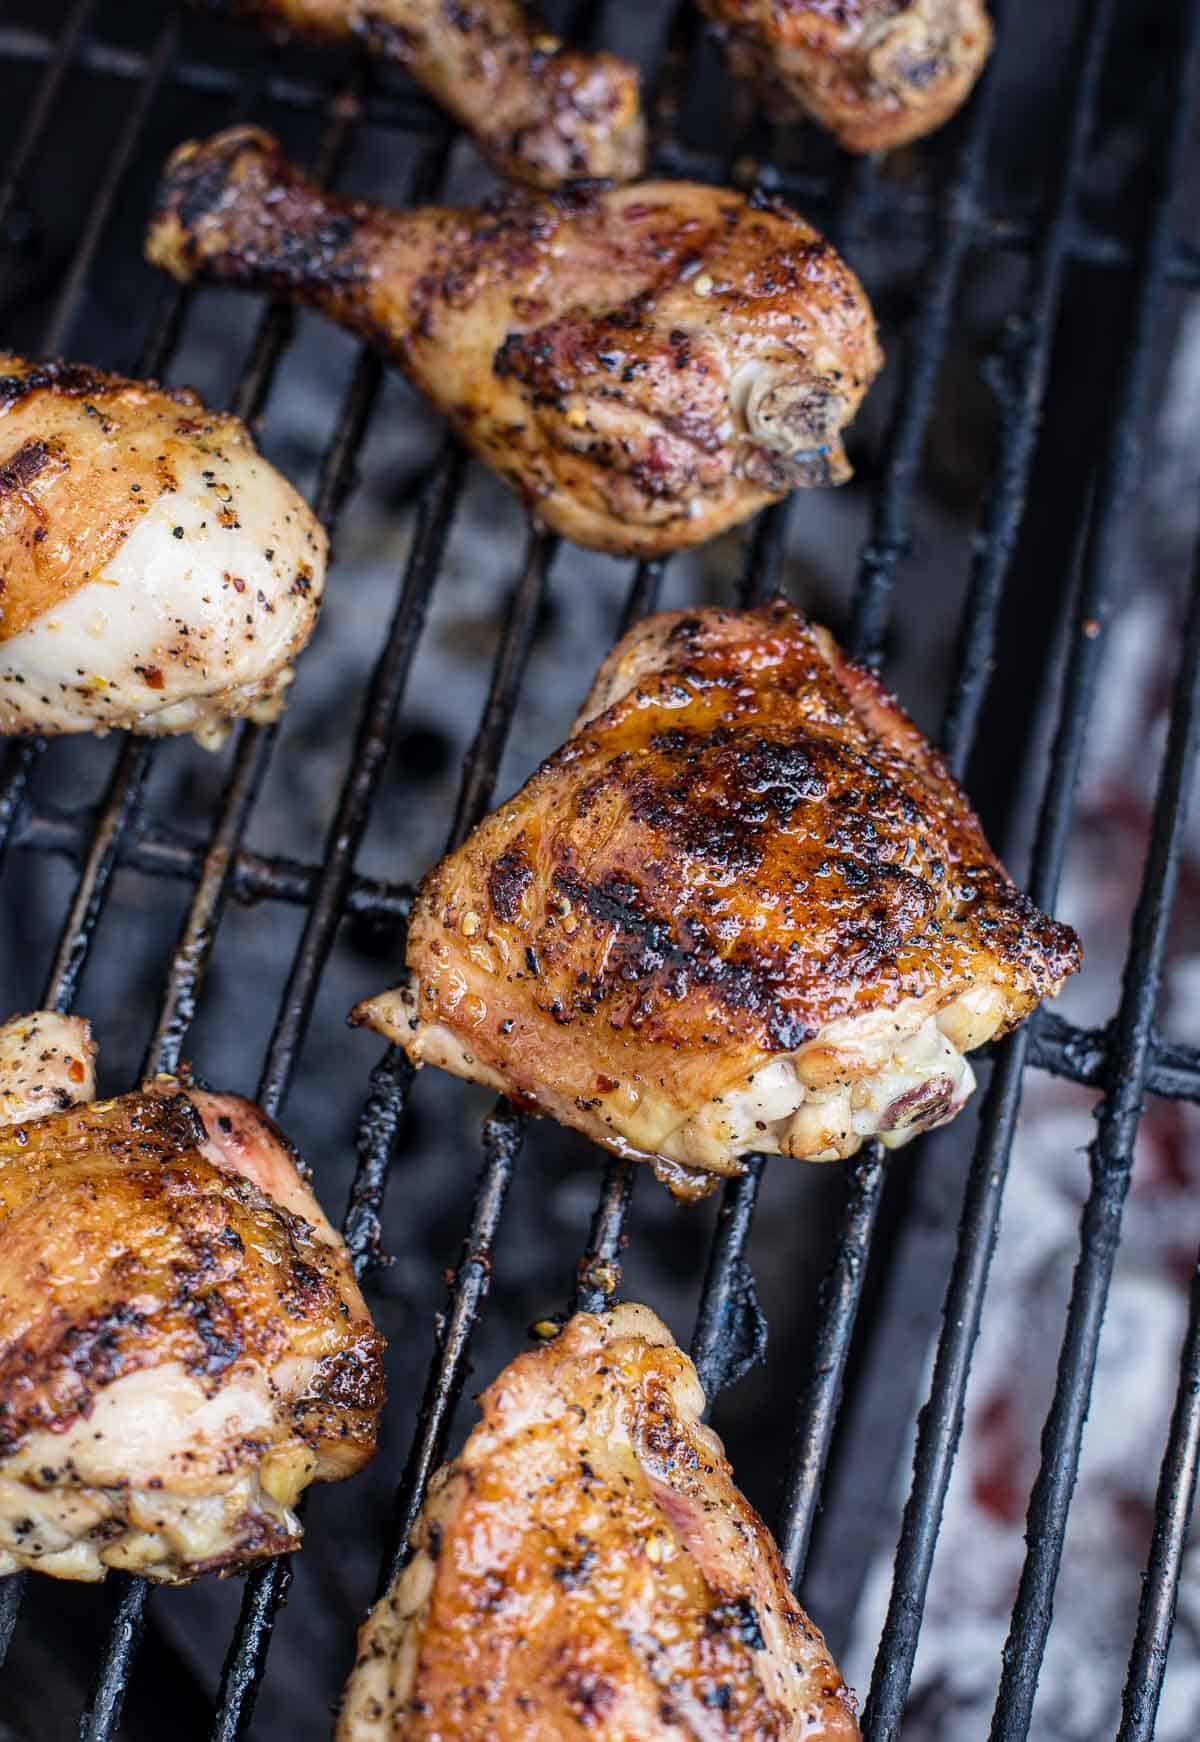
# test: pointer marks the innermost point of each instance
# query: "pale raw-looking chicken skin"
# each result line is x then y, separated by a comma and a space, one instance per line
875, 73
541, 112
645, 367
744, 908
155, 572
183, 1345
587, 1567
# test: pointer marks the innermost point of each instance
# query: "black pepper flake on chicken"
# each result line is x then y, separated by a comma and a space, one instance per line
586, 1566
744, 908
645, 366
183, 1345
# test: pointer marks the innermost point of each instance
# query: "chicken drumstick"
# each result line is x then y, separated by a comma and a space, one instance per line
542, 113
876, 73
646, 366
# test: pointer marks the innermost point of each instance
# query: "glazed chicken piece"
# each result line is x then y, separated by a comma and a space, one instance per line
155, 572
586, 1566
744, 908
540, 112
646, 367
183, 1346
875, 73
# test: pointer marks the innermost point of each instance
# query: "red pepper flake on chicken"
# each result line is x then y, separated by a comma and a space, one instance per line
744, 908
586, 1566
183, 1345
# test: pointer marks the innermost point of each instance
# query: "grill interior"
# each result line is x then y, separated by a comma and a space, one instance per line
1061, 244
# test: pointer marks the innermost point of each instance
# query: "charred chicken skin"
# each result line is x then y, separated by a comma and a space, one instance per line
745, 907
183, 1346
646, 367
875, 73
155, 572
540, 112
586, 1566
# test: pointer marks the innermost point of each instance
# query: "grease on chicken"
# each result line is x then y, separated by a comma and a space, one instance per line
744, 908
155, 572
645, 367
183, 1346
875, 73
586, 1565
541, 112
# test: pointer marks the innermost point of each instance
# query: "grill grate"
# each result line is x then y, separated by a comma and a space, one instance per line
1125, 1061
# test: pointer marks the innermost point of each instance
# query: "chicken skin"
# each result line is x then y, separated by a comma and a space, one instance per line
646, 367
875, 73
744, 908
586, 1566
540, 112
183, 1346
155, 572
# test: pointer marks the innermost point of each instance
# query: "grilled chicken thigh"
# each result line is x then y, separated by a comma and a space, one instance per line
541, 112
155, 571
745, 907
876, 73
183, 1346
646, 366
586, 1566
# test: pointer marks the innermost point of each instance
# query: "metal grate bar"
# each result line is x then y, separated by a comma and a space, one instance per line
1172, 1518
941, 1421
253, 877
891, 537
1020, 377
1111, 1165
841, 1296
59, 56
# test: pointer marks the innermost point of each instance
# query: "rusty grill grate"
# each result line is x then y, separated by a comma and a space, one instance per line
943, 223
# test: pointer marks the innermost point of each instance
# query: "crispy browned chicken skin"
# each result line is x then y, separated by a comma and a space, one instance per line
586, 1567
876, 73
745, 907
542, 113
646, 367
183, 1346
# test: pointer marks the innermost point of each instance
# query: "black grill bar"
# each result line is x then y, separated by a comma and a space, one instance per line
891, 537
1172, 1517
1111, 1164
941, 1421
